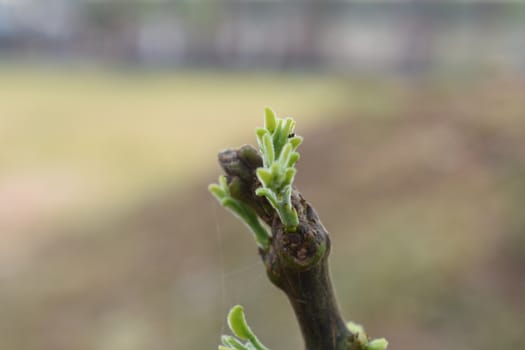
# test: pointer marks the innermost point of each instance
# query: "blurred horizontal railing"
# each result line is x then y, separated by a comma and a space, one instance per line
412, 37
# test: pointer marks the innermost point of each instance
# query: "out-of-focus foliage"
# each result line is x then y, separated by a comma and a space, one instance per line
105, 137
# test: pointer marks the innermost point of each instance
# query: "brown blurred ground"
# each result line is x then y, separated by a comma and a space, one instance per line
424, 202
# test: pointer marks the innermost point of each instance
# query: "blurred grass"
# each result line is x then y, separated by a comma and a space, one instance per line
85, 143
113, 137
131, 130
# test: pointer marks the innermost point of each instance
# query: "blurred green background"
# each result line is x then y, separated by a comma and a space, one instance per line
111, 116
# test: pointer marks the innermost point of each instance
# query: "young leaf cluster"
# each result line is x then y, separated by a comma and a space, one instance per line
221, 191
246, 339
278, 145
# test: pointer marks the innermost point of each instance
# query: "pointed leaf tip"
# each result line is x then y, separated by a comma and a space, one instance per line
289, 125
217, 191
237, 323
265, 176
270, 120
296, 141
260, 132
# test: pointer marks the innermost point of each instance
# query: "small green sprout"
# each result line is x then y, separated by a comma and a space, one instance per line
221, 191
278, 145
377, 344
362, 338
239, 327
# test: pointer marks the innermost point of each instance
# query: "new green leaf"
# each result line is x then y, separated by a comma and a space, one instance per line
239, 327
221, 191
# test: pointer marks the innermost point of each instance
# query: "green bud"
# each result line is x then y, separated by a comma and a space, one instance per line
265, 176
359, 331
289, 125
296, 141
260, 132
377, 344
269, 122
